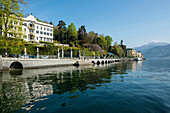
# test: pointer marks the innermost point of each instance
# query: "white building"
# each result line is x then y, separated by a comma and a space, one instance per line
32, 30
139, 54
131, 52
35, 30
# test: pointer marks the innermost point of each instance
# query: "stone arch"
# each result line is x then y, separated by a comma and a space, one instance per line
93, 62
16, 65
98, 62
106, 62
102, 62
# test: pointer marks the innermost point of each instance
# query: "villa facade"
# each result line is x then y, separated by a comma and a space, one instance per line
32, 30
131, 52
35, 30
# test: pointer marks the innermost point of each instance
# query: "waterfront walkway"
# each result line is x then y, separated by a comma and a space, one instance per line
26, 63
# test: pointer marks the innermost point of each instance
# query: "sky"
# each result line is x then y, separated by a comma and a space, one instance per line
136, 22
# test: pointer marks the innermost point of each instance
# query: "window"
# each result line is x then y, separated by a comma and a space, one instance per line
48, 34
37, 38
51, 30
31, 30
10, 35
44, 28
41, 32
48, 39
11, 22
37, 31
41, 28
41, 38
37, 27
25, 29
25, 36
47, 29
44, 33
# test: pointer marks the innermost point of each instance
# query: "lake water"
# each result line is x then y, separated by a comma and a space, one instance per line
125, 87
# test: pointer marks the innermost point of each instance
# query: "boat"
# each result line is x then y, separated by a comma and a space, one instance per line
138, 59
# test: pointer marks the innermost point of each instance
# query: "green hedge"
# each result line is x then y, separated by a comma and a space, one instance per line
16, 46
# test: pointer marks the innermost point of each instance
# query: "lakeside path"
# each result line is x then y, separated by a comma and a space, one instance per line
28, 63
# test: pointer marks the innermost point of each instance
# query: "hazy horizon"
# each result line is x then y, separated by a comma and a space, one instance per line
135, 22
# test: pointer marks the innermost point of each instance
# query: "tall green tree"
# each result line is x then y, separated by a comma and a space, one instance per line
72, 33
101, 41
10, 15
62, 32
92, 35
109, 40
117, 50
123, 47
82, 35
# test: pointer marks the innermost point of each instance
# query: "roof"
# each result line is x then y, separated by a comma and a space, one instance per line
129, 49
32, 18
110, 53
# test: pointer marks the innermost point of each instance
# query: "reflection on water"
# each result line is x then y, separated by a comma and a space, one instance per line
31, 90
20, 87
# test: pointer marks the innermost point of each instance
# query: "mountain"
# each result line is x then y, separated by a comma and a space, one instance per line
150, 45
158, 52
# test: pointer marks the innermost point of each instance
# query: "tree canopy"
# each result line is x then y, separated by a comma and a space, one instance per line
11, 19
109, 40
72, 33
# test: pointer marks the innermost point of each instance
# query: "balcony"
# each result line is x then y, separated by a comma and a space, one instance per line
31, 33
31, 27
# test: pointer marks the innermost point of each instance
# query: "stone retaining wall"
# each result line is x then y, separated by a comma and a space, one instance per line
5, 63
36, 63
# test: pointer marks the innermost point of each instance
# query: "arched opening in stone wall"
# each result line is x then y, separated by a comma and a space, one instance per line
16, 65
93, 62
98, 62
102, 62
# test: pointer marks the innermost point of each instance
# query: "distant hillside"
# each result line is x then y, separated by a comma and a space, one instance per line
148, 46
158, 52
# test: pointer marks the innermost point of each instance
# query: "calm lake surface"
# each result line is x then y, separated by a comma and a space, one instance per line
125, 87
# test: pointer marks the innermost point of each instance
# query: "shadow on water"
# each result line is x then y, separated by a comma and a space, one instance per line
19, 89
16, 72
